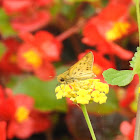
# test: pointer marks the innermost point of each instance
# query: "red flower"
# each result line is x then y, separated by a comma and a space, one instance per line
23, 119
8, 62
30, 22
127, 129
38, 52
3, 130
103, 29
27, 120
130, 92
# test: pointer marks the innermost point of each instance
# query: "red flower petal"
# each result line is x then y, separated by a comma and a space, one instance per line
125, 2
8, 64
7, 109
1, 93
20, 130
120, 52
41, 122
118, 11
24, 100
125, 128
128, 129
27, 37
49, 45
16, 5
43, 2
45, 72
3, 130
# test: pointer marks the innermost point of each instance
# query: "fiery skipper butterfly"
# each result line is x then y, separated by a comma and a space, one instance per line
81, 70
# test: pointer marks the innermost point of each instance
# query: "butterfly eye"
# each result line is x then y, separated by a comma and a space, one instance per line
62, 79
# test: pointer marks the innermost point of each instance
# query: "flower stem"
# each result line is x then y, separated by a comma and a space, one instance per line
88, 121
71, 30
137, 127
138, 17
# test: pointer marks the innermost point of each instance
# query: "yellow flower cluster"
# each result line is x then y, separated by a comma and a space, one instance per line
83, 92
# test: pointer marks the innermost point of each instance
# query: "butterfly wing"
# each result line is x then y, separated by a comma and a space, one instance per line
83, 69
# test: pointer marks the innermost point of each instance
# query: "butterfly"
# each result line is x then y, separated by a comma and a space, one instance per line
81, 70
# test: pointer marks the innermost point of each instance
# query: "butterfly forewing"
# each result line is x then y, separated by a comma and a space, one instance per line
83, 68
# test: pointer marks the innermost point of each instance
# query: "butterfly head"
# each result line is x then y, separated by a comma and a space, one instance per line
60, 79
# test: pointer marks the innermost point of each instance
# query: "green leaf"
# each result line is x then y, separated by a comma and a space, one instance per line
42, 92
135, 63
110, 106
120, 78
5, 26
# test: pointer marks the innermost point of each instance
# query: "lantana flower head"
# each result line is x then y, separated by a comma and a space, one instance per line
84, 91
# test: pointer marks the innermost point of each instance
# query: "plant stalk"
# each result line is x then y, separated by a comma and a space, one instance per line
138, 17
83, 107
137, 127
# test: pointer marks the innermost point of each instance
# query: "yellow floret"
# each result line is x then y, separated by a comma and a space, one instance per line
95, 93
83, 97
60, 94
103, 98
67, 88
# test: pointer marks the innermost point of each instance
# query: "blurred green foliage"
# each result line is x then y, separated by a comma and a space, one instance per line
5, 26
